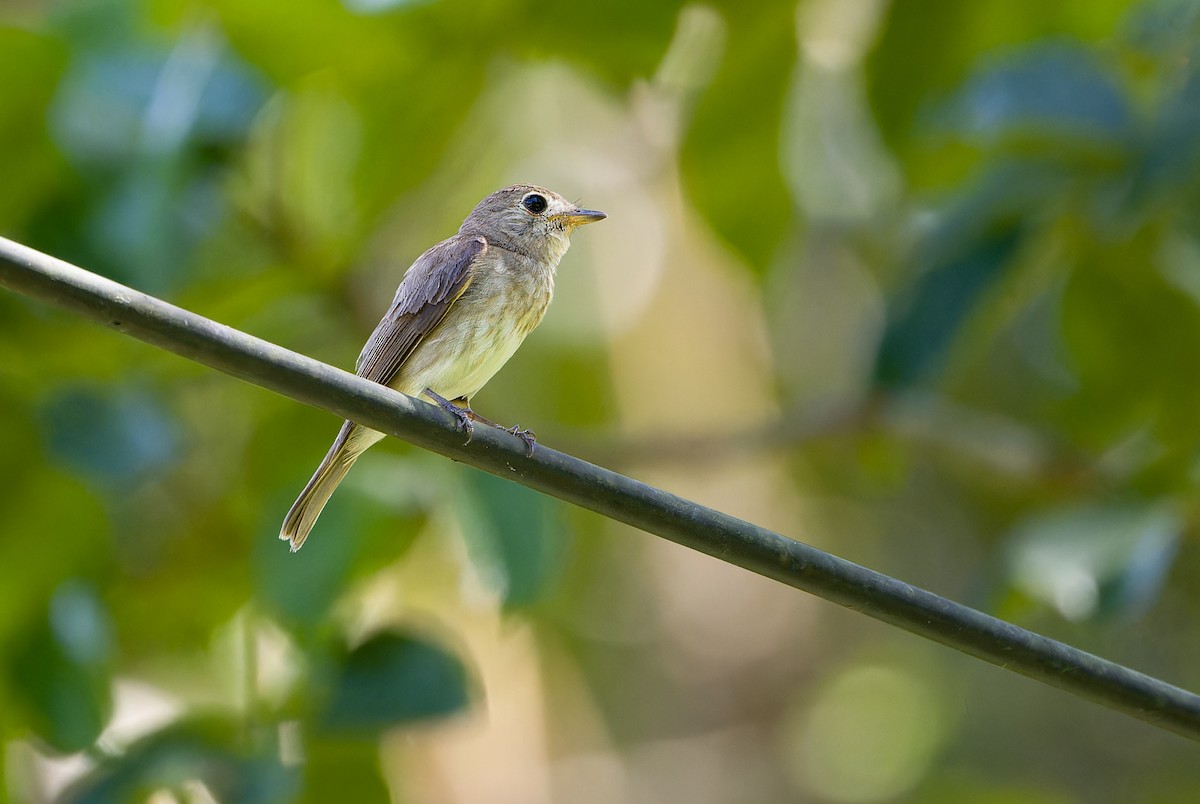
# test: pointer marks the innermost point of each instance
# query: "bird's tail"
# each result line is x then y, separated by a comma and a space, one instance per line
351, 442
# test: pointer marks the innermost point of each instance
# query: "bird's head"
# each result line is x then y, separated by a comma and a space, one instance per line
528, 219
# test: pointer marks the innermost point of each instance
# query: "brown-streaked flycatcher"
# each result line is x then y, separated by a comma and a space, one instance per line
460, 312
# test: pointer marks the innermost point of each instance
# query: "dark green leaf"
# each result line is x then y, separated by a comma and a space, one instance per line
1163, 29
113, 440
63, 670
929, 47
1172, 156
1130, 337
232, 765
301, 587
1056, 94
928, 318
354, 536
393, 679
520, 536
956, 263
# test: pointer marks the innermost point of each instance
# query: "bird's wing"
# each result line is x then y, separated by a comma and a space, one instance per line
430, 287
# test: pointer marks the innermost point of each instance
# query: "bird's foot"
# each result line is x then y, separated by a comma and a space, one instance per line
528, 436
466, 419
462, 415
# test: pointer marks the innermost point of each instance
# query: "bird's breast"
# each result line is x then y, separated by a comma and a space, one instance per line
505, 301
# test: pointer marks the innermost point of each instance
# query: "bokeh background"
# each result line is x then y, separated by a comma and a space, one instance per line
917, 282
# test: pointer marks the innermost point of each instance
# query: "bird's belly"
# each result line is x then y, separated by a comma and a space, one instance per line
466, 350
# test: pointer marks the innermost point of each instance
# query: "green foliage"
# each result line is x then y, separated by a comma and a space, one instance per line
519, 536
232, 766
732, 171
63, 669
1095, 561
1005, 313
392, 679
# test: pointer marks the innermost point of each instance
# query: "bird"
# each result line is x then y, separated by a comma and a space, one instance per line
460, 312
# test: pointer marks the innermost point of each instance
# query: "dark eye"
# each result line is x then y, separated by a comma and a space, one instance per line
535, 203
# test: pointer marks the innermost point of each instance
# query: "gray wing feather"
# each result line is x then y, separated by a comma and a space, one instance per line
429, 288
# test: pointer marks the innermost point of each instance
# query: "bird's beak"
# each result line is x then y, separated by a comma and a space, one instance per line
578, 217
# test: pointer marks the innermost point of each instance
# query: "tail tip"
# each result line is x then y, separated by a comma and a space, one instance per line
296, 539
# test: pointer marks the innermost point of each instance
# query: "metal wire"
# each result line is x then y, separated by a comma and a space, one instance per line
37, 275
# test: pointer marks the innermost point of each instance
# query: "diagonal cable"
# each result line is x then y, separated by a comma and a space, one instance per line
727, 538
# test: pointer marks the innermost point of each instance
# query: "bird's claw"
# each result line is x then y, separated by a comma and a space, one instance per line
462, 416
466, 425
525, 435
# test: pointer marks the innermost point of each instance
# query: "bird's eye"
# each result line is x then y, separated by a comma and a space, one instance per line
535, 203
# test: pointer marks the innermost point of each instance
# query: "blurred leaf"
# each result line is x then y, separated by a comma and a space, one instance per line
214, 753
580, 397
112, 439
1094, 560
1130, 336
355, 535
1172, 157
929, 317
409, 77
391, 679
519, 534
149, 129
130, 98
1164, 29
96, 24
56, 531
929, 47
582, 34
63, 670
731, 167
343, 770
961, 257
296, 175
956, 789
301, 587
30, 67
1059, 95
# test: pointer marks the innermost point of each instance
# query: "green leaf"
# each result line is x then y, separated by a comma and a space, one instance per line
391, 679
927, 319
30, 66
928, 48
584, 34
1130, 336
355, 536
113, 439
731, 154
1094, 560
1061, 95
54, 529
1163, 29
150, 130
301, 587
519, 534
1172, 155
63, 669
963, 256
214, 752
